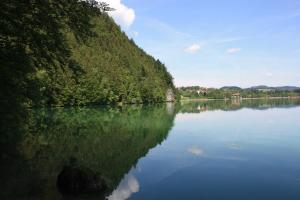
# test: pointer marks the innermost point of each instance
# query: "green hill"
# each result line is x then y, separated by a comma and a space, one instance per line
73, 53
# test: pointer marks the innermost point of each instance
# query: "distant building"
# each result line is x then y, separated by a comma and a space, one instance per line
202, 91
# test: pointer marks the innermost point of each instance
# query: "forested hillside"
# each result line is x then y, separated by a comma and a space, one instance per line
73, 53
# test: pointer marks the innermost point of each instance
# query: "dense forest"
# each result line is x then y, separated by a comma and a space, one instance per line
197, 92
65, 53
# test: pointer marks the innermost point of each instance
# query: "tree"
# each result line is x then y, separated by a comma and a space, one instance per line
104, 7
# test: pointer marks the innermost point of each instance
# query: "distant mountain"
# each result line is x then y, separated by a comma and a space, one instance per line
262, 88
281, 88
288, 88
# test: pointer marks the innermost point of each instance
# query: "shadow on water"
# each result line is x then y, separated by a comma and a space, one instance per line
85, 153
87, 147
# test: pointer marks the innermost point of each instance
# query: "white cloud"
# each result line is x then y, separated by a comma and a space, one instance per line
193, 48
127, 187
196, 151
233, 50
123, 15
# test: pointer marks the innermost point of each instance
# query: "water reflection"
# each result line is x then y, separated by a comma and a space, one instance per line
196, 151
235, 147
114, 143
236, 104
128, 186
106, 141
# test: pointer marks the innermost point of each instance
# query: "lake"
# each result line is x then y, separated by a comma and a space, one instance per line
210, 150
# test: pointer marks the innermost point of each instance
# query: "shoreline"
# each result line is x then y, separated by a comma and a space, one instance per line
247, 98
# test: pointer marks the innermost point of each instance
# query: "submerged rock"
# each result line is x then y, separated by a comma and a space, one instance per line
76, 181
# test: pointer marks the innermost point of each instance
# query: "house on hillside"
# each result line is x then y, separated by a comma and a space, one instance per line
202, 91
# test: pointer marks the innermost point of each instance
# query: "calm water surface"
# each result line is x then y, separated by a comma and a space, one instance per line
195, 150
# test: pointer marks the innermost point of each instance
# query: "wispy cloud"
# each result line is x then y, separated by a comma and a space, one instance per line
269, 21
228, 40
163, 27
193, 48
233, 50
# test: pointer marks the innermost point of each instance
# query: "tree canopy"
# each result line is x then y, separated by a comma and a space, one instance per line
58, 52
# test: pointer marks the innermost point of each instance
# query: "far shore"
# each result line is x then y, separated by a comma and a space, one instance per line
266, 98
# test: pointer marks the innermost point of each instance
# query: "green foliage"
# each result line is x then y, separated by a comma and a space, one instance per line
197, 92
109, 141
116, 69
72, 53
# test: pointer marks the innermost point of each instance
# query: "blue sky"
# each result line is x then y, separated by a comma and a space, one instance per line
215, 43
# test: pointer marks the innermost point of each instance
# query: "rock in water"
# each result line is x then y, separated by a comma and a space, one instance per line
76, 181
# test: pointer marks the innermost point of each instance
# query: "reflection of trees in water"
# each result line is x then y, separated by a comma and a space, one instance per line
108, 141
236, 104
